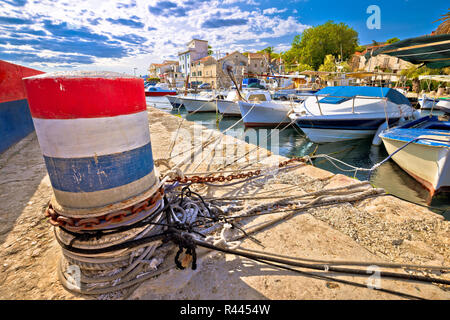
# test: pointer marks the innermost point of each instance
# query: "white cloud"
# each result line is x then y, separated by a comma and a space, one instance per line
274, 11
164, 31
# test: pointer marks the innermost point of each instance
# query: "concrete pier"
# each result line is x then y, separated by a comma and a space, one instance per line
382, 229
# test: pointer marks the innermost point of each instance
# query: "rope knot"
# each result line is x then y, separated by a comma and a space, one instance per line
175, 174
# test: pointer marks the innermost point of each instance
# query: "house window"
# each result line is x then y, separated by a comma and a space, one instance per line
193, 74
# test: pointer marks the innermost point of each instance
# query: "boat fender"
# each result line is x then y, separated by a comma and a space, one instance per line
376, 139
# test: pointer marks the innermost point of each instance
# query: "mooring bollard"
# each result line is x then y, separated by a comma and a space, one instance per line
94, 134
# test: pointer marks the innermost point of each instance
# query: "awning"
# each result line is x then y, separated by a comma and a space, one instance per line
442, 78
433, 51
317, 73
367, 74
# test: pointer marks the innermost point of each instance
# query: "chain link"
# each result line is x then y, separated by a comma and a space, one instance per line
98, 223
221, 178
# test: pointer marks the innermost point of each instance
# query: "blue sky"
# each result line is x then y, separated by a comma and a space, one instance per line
120, 35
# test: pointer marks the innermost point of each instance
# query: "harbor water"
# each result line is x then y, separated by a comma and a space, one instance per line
358, 153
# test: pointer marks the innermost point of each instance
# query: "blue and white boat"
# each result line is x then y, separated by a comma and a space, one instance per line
159, 90
422, 149
428, 103
346, 112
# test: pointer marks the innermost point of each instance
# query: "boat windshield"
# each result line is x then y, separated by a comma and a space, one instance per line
257, 97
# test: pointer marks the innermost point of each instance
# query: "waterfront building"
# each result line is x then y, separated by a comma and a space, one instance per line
204, 70
196, 49
258, 63
239, 62
379, 63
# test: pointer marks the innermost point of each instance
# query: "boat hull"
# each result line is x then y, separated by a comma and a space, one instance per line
327, 135
259, 115
334, 130
194, 105
429, 165
438, 104
228, 108
175, 101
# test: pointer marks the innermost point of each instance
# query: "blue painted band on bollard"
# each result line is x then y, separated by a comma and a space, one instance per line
99, 173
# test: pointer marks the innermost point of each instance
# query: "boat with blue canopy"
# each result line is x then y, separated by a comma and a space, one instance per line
349, 112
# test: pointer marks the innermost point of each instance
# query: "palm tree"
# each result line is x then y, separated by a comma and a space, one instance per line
444, 27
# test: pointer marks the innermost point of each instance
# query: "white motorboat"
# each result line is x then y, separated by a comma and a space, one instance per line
265, 113
230, 106
203, 102
427, 156
347, 112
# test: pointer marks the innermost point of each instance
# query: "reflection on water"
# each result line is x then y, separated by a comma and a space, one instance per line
293, 143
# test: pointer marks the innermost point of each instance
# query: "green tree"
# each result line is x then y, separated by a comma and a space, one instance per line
328, 64
210, 52
268, 50
316, 43
303, 67
345, 67
272, 54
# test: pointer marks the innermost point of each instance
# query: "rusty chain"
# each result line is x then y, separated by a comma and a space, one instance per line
221, 178
128, 214
107, 220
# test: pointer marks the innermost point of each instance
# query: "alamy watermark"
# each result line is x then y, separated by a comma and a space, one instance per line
374, 20
73, 277
198, 146
374, 281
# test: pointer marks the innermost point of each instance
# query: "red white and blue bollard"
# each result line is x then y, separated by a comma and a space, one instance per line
94, 134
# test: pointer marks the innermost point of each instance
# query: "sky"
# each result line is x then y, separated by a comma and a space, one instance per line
127, 35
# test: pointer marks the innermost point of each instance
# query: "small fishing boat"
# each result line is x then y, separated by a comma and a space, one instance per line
426, 156
230, 106
159, 90
265, 113
348, 112
427, 103
202, 102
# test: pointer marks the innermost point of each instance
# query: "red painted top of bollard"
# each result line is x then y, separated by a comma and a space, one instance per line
84, 94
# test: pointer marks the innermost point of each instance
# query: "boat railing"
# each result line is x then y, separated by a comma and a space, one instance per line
346, 97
